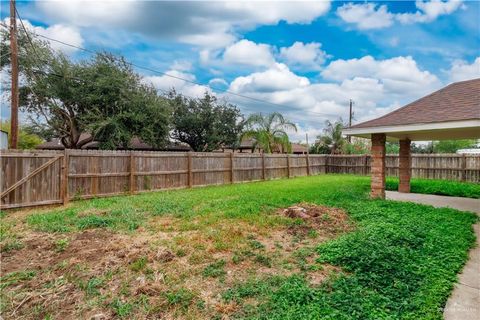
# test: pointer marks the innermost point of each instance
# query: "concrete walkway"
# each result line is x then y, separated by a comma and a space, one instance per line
464, 303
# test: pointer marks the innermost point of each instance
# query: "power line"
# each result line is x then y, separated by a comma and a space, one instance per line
172, 76
192, 81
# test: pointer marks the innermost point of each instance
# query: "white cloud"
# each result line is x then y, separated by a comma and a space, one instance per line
250, 53
429, 10
370, 16
376, 87
462, 70
208, 24
303, 55
400, 75
59, 32
166, 83
366, 16
279, 77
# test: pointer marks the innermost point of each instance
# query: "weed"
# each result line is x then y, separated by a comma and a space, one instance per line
121, 309
263, 260
138, 264
16, 277
61, 244
11, 245
182, 297
215, 269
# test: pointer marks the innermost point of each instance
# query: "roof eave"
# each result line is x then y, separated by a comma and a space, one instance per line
465, 129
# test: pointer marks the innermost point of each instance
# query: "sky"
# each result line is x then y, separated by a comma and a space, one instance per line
305, 59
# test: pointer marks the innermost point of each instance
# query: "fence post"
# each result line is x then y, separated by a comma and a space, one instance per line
132, 173
464, 168
288, 165
189, 169
365, 165
263, 166
231, 167
308, 165
66, 163
327, 160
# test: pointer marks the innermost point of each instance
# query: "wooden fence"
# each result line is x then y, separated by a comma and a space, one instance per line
35, 178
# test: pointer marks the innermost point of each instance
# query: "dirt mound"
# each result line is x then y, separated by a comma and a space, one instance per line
315, 217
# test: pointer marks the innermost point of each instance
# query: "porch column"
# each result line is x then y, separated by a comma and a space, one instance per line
378, 166
404, 166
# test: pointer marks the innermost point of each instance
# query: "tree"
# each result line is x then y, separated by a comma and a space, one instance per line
357, 146
205, 124
26, 140
117, 105
331, 141
269, 132
451, 146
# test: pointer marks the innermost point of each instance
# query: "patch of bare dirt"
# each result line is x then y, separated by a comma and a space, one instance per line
323, 219
153, 263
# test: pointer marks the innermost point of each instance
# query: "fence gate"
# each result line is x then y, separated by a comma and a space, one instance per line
30, 179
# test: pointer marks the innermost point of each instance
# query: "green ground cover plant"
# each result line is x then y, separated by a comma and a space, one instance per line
399, 261
439, 187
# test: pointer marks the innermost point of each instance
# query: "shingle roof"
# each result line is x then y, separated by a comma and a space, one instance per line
455, 102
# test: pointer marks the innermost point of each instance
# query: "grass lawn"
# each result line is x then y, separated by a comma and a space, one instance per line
440, 187
231, 251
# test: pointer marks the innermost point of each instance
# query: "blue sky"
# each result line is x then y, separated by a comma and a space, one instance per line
309, 58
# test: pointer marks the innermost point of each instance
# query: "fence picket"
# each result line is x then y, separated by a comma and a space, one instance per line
85, 174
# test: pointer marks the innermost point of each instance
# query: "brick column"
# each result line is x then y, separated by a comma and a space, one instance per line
404, 166
378, 166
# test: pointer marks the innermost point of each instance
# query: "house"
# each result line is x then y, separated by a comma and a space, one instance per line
135, 144
452, 112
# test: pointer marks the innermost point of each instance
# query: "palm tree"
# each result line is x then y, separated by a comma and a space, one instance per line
269, 131
332, 139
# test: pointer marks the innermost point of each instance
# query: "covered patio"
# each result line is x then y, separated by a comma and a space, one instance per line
452, 112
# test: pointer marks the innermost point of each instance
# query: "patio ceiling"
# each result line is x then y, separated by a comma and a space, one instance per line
452, 112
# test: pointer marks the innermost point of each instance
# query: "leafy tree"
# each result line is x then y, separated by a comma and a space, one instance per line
357, 146
451, 146
102, 96
117, 105
269, 132
331, 141
392, 147
26, 140
205, 124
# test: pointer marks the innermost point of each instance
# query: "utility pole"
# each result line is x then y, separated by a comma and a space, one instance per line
14, 63
350, 119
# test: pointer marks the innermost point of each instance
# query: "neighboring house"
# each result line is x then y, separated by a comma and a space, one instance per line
247, 146
135, 144
468, 151
3, 140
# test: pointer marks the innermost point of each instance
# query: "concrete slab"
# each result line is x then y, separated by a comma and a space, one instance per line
464, 302
463, 204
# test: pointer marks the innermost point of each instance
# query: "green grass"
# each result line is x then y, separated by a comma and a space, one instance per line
440, 187
399, 263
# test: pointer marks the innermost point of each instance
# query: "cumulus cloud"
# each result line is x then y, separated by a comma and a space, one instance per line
247, 52
366, 16
429, 10
279, 77
462, 70
376, 86
371, 16
174, 81
60, 32
303, 55
211, 24
399, 75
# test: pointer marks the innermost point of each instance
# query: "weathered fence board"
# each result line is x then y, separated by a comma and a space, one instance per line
35, 178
